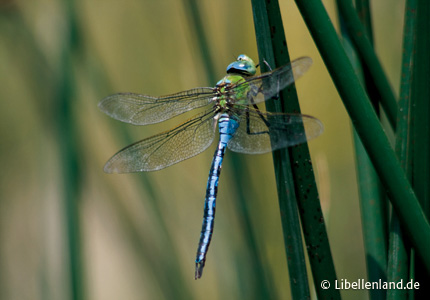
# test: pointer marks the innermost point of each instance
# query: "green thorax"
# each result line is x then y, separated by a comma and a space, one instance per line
232, 90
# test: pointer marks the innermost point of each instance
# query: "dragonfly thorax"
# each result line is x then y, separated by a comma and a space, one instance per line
228, 94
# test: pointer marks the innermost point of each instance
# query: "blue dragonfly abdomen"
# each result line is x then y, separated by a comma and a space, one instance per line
227, 128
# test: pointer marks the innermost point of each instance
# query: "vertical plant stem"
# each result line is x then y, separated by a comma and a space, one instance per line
363, 11
421, 122
398, 260
364, 14
306, 192
364, 47
284, 179
421, 110
372, 199
295, 183
368, 126
67, 137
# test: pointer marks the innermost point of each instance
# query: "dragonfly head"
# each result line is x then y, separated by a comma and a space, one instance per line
244, 65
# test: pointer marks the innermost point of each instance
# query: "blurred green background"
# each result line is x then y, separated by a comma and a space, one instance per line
138, 233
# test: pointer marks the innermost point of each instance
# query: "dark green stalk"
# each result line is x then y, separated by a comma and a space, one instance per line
403, 137
372, 204
297, 183
284, 178
312, 219
364, 47
260, 286
364, 14
363, 11
69, 151
421, 96
412, 260
368, 126
421, 123
373, 218
398, 260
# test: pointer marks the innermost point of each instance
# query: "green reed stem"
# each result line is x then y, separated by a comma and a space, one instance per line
398, 259
420, 117
372, 199
69, 150
295, 183
368, 126
364, 47
286, 193
421, 107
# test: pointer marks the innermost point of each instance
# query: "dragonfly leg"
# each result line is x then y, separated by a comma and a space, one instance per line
263, 118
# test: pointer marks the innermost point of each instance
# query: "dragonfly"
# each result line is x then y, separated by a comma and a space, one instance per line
242, 127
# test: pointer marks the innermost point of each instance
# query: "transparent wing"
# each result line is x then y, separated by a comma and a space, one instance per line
167, 148
143, 109
262, 132
261, 88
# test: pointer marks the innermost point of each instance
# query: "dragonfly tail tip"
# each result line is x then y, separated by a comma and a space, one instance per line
199, 270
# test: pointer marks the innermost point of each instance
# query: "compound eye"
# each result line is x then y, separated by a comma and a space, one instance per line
242, 57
